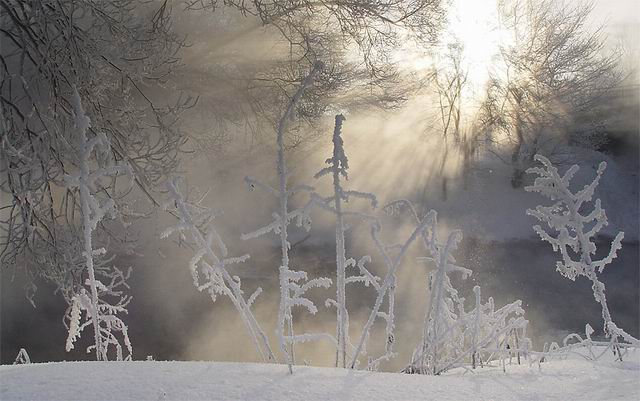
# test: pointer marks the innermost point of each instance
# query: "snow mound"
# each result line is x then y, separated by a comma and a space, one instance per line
573, 378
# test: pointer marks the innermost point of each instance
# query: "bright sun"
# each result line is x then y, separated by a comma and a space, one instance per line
474, 24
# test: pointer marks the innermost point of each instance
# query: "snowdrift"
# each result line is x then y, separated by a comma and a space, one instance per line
570, 379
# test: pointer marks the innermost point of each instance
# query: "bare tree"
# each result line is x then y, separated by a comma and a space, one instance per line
450, 80
118, 52
356, 41
372, 26
555, 68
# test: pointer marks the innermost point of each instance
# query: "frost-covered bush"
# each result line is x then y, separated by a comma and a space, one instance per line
492, 334
452, 337
211, 262
573, 222
111, 302
95, 165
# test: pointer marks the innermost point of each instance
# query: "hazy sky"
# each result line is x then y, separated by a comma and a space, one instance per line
617, 11
621, 19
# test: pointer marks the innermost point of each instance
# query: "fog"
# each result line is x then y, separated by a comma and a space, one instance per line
393, 153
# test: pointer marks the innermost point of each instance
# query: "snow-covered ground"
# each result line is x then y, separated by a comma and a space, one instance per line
574, 378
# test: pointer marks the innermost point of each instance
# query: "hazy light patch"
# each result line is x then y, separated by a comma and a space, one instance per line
475, 25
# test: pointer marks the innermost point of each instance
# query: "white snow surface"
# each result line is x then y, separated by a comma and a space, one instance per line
570, 379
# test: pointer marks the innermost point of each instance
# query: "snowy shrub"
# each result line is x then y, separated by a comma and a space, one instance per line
293, 283
452, 337
209, 266
337, 168
573, 225
492, 334
98, 313
442, 336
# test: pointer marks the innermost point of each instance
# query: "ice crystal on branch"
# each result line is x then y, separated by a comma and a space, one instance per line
99, 313
571, 231
210, 263
293, 284
337, 168
572, 228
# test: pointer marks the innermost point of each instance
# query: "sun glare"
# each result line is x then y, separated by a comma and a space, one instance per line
475, 25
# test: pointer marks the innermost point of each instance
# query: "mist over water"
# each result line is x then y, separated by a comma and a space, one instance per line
170, 320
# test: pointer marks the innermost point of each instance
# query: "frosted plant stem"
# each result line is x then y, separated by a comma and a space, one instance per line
340, 284
285, 294
292, 348
249, 320
476, 326
590, 271
284, 309
439, 296
575, 231
88, 246
341, 334
256, 333
338, 165
388, 280
429, 246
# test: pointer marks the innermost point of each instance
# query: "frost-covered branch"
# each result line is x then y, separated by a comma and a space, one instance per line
570, 231
81, 314
99, 314
387, 286
337, 168
209, 265
293, 284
